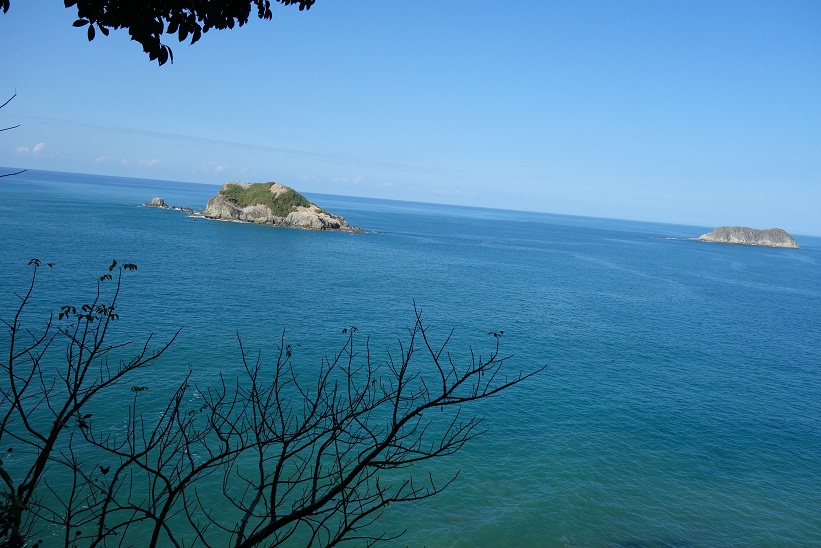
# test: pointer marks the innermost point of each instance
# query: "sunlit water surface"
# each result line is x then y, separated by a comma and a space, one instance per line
681, 405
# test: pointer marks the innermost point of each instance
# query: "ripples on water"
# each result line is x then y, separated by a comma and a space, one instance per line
682, 402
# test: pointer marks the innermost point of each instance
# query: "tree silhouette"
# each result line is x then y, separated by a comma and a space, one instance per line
280, 454
6, 129
147, 20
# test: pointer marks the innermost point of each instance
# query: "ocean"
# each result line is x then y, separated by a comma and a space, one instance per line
680, 406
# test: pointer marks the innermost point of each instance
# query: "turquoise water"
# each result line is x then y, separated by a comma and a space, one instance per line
681, 405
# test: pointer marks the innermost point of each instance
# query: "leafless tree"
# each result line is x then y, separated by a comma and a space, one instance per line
42, 406
6, 129
277, 455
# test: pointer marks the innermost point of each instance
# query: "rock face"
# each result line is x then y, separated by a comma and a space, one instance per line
159, 202
773, 237
156, 202
271, 203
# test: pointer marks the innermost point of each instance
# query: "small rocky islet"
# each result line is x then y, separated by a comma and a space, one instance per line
742, 235
264, 203
160, 203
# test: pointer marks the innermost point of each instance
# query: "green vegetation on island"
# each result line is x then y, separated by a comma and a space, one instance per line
271, 204
281, 203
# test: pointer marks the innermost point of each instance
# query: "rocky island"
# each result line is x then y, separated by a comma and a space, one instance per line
159, 202
265, 203
273, 204
742, 235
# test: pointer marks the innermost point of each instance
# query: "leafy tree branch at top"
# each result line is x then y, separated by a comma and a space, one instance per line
147, 20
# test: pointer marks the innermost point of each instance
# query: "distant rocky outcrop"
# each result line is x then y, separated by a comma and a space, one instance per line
159, 202
273, 204
773, 237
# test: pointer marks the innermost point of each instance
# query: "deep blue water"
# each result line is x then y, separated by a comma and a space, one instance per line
681, 405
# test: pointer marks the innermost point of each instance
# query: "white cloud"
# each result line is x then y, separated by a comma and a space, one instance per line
212, 168
126, 162
36, 149
101, 159
386, 184
347, 180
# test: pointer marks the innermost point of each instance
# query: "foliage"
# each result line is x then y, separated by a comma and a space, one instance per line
276, 455
260, 193
147, 20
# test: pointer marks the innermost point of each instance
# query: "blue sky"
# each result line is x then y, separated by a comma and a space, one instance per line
702, 113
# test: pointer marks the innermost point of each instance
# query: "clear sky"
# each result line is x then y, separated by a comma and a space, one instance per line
696, 112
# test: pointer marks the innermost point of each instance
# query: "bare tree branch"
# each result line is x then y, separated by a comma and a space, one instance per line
277, 455
6, 129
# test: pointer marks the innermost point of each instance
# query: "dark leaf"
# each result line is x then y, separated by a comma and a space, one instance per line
80, 23
113, 264
90, 33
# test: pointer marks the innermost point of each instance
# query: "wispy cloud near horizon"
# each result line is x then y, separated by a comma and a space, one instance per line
348, 180
213, 167
36, 149
339, 158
